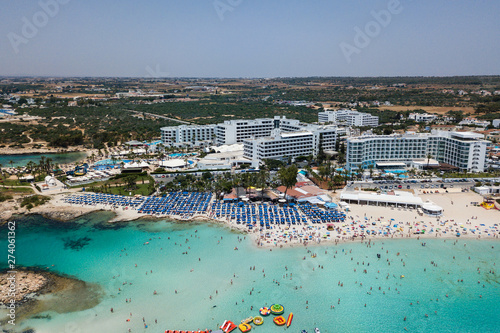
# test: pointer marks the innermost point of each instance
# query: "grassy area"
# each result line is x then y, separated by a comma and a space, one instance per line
5, 197
143, 185
33, 201
469, 175
11, 182
16, 190
142, 189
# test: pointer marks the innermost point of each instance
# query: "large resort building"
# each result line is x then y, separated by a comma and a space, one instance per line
464, 150
306, 141
187, 133
279, 145
280, 138
263, 138
348, 118
229, 132
235, 131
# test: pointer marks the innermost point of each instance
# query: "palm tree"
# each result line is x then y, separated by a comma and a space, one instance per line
429, 156
11, 162
359, 172
412, 172
288, 176
48, 165
370, 168
19, 173
41, 164
337, 180
262, 179
323, 172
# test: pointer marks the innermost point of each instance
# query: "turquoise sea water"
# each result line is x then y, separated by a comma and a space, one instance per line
22, 160
94, 251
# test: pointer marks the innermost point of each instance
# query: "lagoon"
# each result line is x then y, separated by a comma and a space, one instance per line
214, 281
22, 160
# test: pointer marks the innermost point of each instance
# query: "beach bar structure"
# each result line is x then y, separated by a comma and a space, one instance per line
398, 200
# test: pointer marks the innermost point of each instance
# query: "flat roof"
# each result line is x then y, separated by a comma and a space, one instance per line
386, 198
467, 135
298, 133
176, 163
386, 164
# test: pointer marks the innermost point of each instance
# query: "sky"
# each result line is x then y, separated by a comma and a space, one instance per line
249, 38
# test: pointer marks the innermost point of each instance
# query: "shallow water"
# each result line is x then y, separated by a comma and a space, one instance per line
22, 160
94, 251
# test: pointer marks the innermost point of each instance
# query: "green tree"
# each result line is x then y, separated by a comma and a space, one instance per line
429, 156
262, 181
288, 176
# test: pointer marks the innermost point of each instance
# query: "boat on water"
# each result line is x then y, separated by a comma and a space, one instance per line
316, 330
303, 331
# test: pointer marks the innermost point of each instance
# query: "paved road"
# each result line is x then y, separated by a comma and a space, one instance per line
158, 116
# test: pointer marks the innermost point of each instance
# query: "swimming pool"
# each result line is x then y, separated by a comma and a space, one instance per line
395, 171
111, 162
181, 154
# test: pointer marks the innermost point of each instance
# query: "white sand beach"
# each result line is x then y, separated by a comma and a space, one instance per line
362, 222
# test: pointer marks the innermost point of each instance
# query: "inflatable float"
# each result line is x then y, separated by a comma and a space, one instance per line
277, 309
280, 320
244, 327
258, 320
264, 311
289, 320
228, 326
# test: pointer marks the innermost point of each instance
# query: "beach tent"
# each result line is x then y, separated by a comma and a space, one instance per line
331, 205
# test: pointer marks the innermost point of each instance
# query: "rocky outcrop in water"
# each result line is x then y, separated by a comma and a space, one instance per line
18, 286
61, 215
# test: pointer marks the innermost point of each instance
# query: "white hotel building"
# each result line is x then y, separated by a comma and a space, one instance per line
422, 117
235, 131
229, 132
263, 138
465, 150
187, 133
306, 141
348, 117
279, 145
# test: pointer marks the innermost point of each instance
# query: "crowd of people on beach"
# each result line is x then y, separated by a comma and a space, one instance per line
288, 224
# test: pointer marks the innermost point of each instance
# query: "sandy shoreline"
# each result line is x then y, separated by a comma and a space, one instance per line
29, 151
472, 222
